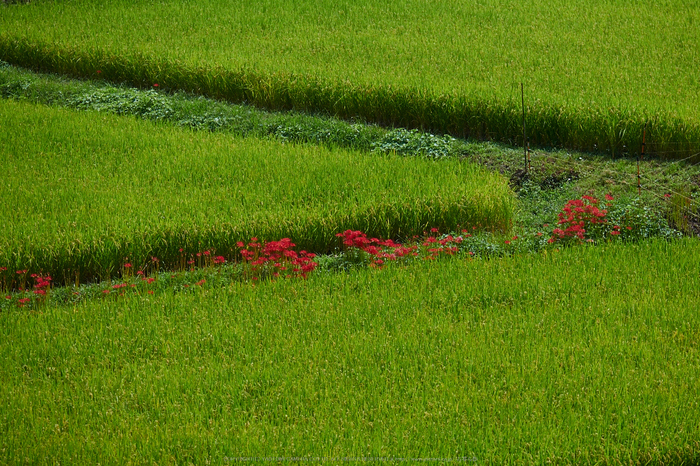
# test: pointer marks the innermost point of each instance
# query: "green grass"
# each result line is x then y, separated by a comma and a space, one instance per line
587, 355
594, 73
84, 191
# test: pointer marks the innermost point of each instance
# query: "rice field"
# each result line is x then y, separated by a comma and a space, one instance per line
584, 355
83, 193
554, 346
594, 73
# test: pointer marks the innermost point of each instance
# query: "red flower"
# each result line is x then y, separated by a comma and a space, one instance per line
155, 85
609, 197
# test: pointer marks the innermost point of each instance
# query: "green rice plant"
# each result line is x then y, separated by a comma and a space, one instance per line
450, 68
584, 355
84, 193
683, 211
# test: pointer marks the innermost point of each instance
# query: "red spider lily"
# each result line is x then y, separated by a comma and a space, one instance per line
219, 260
278, 256
577, 217
127, 265
201, 282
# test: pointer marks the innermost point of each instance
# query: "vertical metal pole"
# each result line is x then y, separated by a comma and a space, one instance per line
522, 95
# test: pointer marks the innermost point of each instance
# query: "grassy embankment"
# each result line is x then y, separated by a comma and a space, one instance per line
587, 355
84, 191
443, 67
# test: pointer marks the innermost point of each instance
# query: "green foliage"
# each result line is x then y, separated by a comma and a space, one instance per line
645, 221
404, 142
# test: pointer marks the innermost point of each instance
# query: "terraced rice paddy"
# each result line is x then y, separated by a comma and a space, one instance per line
595, 73
586, 355
87, 191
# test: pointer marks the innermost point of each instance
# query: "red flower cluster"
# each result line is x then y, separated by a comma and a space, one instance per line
379, 250
579, 216
277, 257
446, 245
41, 284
